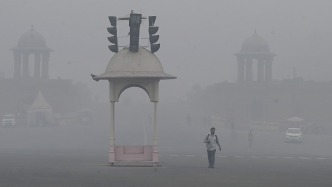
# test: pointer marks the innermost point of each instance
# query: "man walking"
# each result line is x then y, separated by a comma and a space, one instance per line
211, 141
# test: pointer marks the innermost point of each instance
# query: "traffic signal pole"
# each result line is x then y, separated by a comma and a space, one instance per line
133, 66
134, 24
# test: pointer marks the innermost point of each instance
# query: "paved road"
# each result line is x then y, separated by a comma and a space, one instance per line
90, 170
61, 157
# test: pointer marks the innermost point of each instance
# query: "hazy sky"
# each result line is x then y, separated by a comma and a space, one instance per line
198, 38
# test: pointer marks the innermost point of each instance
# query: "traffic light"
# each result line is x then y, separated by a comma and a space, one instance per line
113, 39
134, 24
153, 38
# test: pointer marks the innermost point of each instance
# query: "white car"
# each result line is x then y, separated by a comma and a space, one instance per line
294, 135
8, 120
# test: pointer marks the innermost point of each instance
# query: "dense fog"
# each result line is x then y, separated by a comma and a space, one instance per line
201, 44
198, 40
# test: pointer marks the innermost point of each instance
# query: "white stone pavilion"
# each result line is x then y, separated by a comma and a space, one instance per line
133, 69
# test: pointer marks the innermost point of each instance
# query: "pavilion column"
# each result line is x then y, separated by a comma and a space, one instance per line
249, 69
268, 70
111, 152
240, 69
45, 64
17, 65
260, 70
155, 156
25, 71
37, 65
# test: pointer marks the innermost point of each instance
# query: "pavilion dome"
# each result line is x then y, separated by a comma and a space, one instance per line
255, 44
141, 64
31, 40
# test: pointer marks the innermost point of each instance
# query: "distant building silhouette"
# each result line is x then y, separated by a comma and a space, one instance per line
31, 43
254, 48
264, 101
18, 94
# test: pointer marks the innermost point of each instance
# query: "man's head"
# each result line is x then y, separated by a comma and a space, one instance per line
212, 130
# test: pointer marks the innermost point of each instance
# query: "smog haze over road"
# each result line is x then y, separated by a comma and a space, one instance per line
199, 40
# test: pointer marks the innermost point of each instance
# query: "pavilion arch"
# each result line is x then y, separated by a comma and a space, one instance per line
134, 85
134, 117
151, 87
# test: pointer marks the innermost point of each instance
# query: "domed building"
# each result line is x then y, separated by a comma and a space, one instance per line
262, 103
19, 93
31, 43
255, 45
32, 40
255, 48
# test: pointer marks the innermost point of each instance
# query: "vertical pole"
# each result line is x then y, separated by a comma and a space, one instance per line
155, 155
268, 69
248, 69
260, 70
25, 72
45, 64
17, 64
111, 158
241, 68
37, 65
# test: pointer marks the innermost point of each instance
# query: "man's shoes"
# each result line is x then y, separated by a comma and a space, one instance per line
211, 167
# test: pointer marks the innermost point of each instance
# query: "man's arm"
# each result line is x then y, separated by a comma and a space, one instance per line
217, 141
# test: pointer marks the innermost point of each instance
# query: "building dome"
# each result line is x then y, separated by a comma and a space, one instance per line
127, 64
255, 44
31, 40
